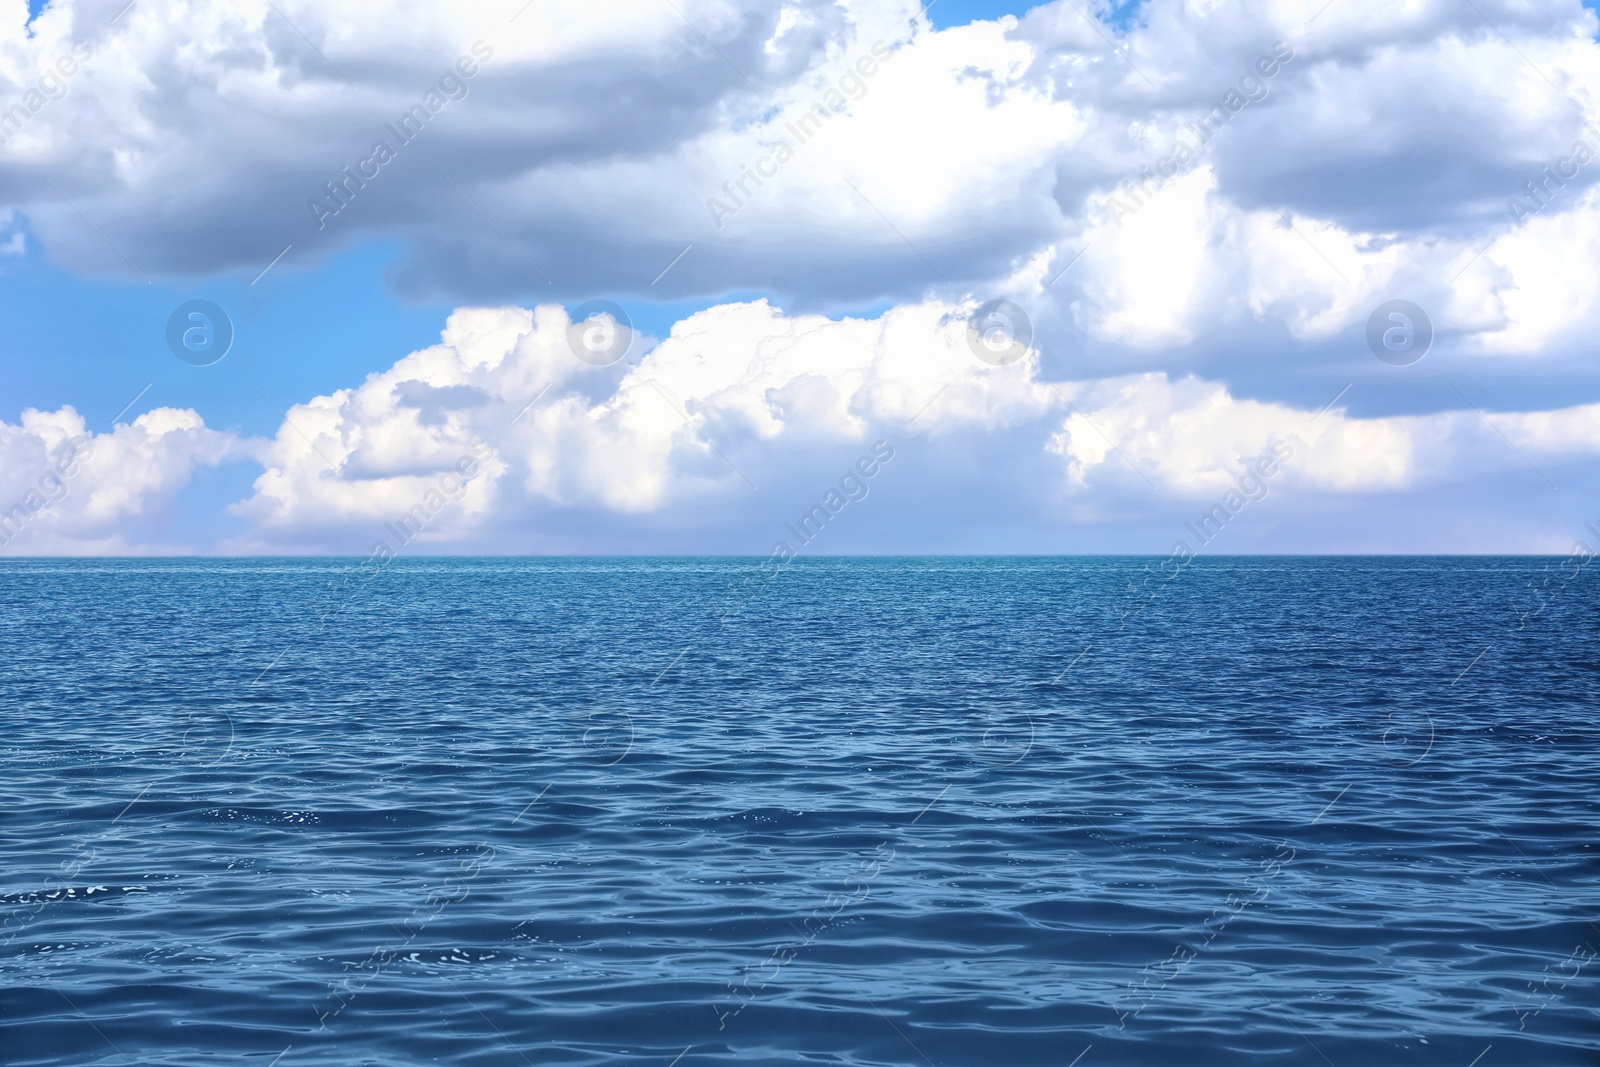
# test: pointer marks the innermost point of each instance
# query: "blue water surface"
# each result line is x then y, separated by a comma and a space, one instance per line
1084, 811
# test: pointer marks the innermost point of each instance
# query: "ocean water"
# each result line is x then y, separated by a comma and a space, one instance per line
851, 811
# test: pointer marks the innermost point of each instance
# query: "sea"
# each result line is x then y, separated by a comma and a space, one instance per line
1072, 812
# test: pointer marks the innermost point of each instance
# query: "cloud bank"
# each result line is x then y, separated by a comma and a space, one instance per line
1198, 212
500, 429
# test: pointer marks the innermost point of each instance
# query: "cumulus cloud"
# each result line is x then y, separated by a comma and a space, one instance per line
861, 154
740, 390
67, 490
731, 381
501, 428
1199, 210
1192, 437
198, 135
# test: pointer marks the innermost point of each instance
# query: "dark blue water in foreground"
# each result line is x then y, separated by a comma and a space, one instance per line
491, 812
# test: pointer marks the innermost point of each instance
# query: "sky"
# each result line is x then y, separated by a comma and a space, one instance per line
640, 277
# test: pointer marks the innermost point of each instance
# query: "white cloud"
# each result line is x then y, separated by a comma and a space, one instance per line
737, 388
595, 135
1191, 436
951, 167
500, 426
731, 380
66, 490
14, 243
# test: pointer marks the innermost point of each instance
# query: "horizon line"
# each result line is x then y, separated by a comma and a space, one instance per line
795, 559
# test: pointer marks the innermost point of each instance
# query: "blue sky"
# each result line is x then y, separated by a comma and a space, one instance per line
944, 14
1175, 328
